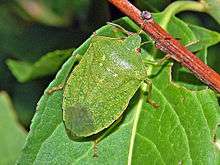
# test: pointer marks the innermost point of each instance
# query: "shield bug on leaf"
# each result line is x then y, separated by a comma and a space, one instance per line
99, 89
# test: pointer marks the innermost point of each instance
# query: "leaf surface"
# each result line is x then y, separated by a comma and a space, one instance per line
184, 121
46, 65
49, 109
12, 135
180, 131
213, 8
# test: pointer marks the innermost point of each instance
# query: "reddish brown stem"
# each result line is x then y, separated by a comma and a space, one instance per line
166, 43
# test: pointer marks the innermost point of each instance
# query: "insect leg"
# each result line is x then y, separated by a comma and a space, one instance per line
95, 149
149, 100
121, 28
166, 57
54, 89
157, 62
146, 42
192, 43
60, 87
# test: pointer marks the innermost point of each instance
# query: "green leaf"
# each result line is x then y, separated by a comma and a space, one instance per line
12, 135
189, 34
213, 8
49, 109
206, 38
213, 58
180, 131
46, 65
181, 126
155, 6
217, 145
184, 77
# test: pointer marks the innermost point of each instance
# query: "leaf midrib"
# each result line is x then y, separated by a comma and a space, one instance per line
134, 129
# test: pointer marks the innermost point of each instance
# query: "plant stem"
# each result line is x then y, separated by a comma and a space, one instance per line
166, 43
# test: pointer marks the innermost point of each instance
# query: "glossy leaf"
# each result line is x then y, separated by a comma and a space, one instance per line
46, 65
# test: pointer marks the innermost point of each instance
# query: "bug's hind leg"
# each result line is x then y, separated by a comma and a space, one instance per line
149, 94
95, 149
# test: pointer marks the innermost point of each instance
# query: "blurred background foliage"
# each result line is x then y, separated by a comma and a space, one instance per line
32, 28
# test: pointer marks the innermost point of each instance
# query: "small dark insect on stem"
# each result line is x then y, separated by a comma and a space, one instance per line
166, 43
145, 15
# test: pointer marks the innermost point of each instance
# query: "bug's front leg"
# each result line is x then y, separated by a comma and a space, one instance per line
120, 28
61, 86
149, 94
54, 89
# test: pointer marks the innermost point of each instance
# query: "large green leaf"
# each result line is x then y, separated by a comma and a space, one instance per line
49, 109
12, 135
181, 130
46, 65
183, 125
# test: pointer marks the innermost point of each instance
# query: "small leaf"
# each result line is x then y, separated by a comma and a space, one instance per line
12, 135
46, 65
205, 37
213, 8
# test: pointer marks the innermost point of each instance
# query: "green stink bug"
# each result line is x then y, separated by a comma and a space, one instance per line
101, 86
